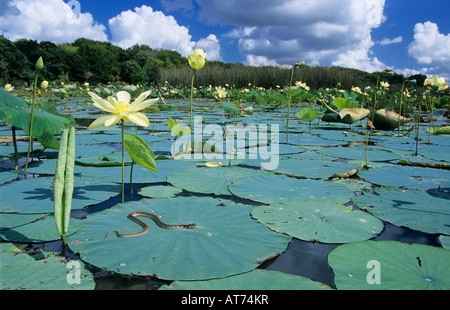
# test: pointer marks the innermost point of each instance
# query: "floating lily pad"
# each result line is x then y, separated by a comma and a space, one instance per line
318, 220
8, 175
405, 176
36, 195
160, 191
254, 280
271, 188
358, 152
140, 174
313, 168
21, 270
418, 210
445, 241
210, 180
401, 266
43, 229
226, 240
10, 220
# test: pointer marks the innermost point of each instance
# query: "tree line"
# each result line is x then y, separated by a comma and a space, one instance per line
95, 62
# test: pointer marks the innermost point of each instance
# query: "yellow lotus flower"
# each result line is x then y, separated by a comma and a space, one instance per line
302, 85
357, 90
385, 85
220, 93
9, 87
122, 109
436, 81
44, 84
197, 59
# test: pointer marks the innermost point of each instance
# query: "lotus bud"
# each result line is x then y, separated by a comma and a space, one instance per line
197, 59
39, 64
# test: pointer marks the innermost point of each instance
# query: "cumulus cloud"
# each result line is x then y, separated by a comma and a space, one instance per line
154, 28
326, 32
49, 20
430, 47
387, 41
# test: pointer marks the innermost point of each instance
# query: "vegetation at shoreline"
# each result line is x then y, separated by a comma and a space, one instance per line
96, 62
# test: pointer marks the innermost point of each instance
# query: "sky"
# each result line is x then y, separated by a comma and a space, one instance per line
407, 36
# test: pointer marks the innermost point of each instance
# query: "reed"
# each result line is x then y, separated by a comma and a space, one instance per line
266, 77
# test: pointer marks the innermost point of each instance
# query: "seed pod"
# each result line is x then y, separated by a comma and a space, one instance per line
39, 64
63, 181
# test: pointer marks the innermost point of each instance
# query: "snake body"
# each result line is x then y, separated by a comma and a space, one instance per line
132, 216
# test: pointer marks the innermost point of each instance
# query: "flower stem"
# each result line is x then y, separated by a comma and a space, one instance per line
192, 98
30, 141
289, 105
123, 164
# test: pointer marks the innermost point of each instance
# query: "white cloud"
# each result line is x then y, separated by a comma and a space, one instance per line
50, 20
211, 46
387, 41
153, 28
431, 48
327, 32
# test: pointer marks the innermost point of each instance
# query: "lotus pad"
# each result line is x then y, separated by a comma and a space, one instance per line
210, 180
401, 266
43, 229
226, 240
419, 210
40, 271
271, 188
358, 152
254, 280
160, 191
36, 195
313, 168
410, 177
319, 220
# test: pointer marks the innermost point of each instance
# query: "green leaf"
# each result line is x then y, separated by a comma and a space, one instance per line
228, 108
342, 103
309, 114
397, 266
40, 270
226, 240
139, 151
258, 279
318, 220
352, 115
16, 112
177, 129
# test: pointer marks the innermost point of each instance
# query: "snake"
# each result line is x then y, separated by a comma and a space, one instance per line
154, 217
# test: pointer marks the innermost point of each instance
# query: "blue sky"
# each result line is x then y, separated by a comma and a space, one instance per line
407, 36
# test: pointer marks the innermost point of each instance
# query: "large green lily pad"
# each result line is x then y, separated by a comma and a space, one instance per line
358, 152
21, 270
405, 176
226, 240
313, 168
397, 266
270, 188
36, 195
418, 210
210, 180
319, 220
140, 174
258, 279
43, 229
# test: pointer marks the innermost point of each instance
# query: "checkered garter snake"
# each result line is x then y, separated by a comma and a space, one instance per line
132, 216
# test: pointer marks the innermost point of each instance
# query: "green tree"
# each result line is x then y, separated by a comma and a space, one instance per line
14, 65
